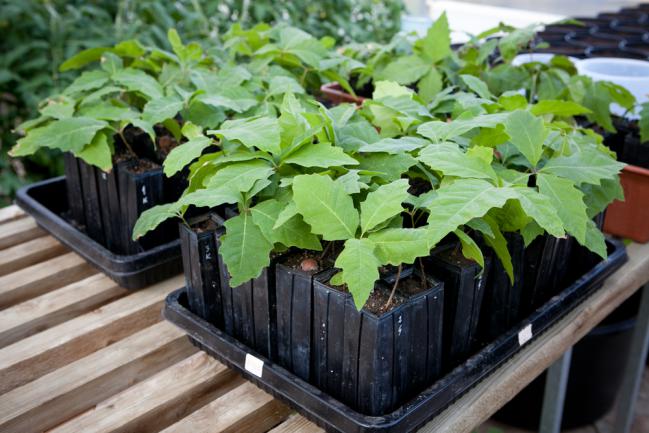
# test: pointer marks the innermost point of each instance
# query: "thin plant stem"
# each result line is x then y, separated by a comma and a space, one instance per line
394, 288
423, 274
326, 249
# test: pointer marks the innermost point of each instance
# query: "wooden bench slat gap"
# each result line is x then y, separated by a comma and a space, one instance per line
51, 349
76, 387
55, 307
296, 423
244, 409
40, 278
29, 253
11, 213
18, 231
160, 400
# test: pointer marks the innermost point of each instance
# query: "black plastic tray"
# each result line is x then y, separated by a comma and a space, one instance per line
334, 415
47, 201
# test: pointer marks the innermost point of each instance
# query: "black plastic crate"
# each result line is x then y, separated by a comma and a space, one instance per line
47, 203
336, 416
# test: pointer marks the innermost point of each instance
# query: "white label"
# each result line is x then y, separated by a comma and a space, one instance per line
254, 365
525, 335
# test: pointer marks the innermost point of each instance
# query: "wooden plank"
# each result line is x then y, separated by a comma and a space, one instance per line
297, 424
29, 253
244, 409
11, 213
42, 277
486, 398
49, 350
78, 386
158, 401
18, 231
38, 314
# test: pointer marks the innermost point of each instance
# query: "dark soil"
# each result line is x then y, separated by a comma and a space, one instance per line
166, 143
309, 262
206, 225
142, 166
454, 256
365, 91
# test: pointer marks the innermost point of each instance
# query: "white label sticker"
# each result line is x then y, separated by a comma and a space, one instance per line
254, 365
525, 335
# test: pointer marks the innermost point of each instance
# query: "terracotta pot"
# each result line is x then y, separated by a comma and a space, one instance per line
334, 93
630, 219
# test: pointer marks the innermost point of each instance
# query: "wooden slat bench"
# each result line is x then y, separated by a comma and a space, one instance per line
80, 354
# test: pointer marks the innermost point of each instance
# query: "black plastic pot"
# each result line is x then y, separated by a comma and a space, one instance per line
294, 294
502, 304
464, 283
201, 268
636, 152
91, 202
375, 363
47, 203
596, 372
249, 309
334, 415
74, 191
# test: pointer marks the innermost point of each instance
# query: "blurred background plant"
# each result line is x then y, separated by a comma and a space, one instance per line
38, 35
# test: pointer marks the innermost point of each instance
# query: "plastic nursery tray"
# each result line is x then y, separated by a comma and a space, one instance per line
333, 415
47, 201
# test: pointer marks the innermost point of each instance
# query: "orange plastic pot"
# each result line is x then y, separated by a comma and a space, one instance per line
630, 218
334, 93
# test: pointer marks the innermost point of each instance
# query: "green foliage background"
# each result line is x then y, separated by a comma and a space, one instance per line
38, 35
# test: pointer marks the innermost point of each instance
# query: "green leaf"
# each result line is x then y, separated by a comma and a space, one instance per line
394, 145
351, 182
157, 110
390, 167
281, 84
244, 249
58, 108
404, 70
71, 134
107, 111
558, 108
436, 45
595, 240
530, 232
289, 211
236, 99
320, 155
151, 218
441, 131
449, 159
430, 85
541, 209
292, 233
98, 152
384, 89
499, 244
395, 246
568, 203
527, 133
185, 153
587, 166
88, 80
460, 202
82, 58
598, 197
470, 249
210, 197
383, 203
136, 80
360, 269
240, 176
262, 133
478, 86
325, 206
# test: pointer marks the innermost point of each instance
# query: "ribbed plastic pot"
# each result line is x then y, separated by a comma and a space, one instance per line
630, 218
375, 363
